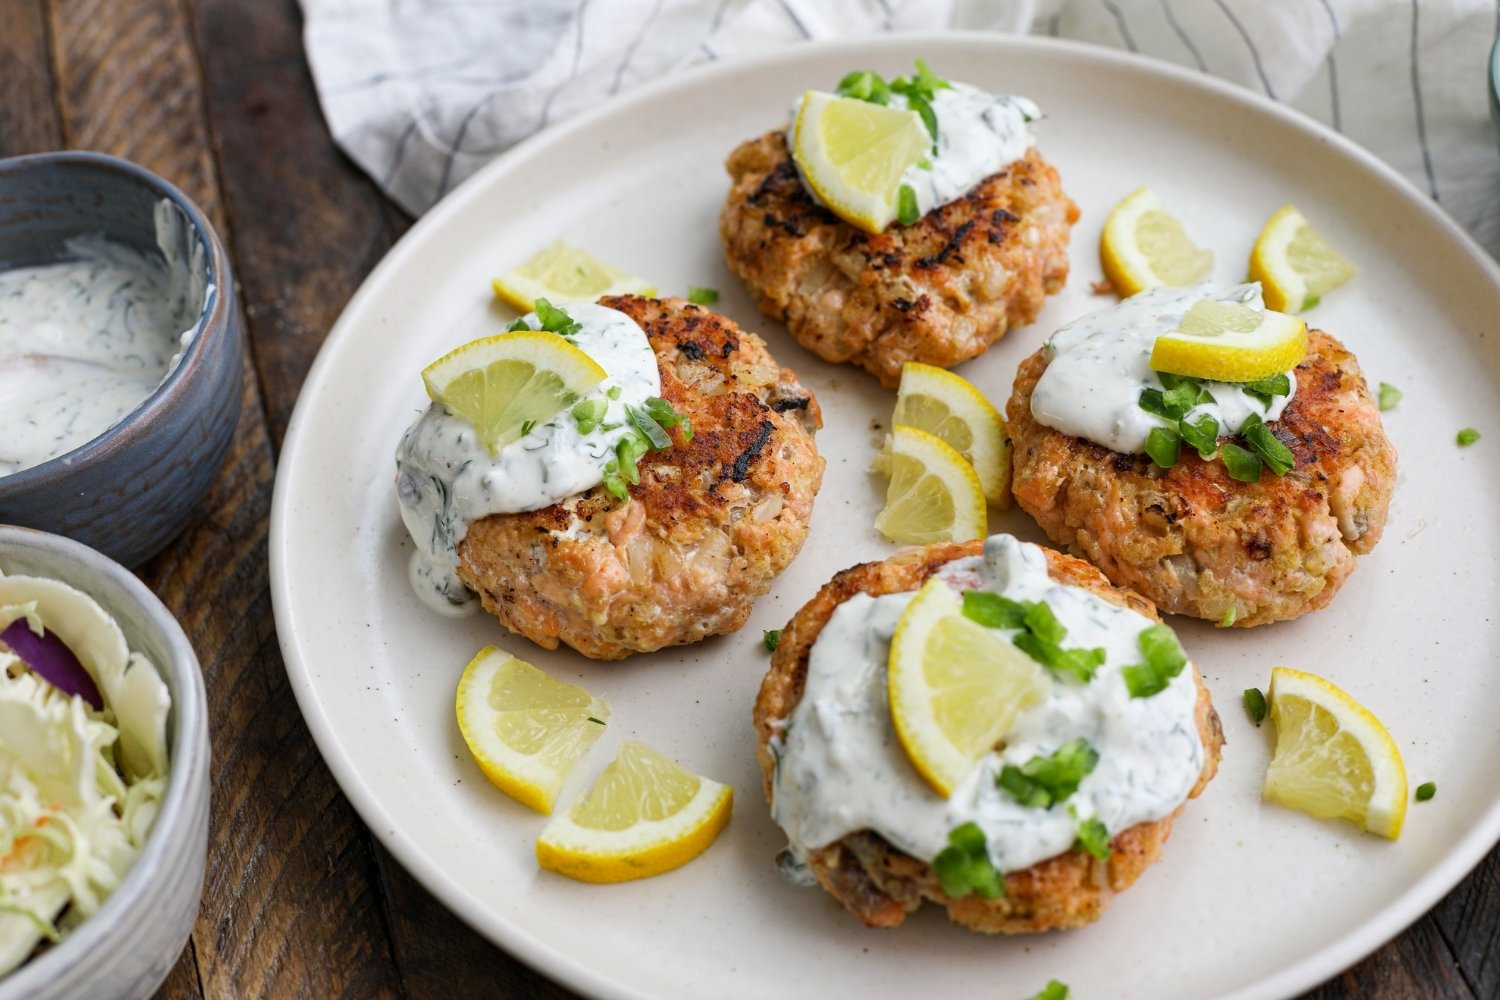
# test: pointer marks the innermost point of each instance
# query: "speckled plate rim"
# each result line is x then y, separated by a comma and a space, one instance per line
381, 812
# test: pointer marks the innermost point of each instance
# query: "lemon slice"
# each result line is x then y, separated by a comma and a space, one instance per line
955, 687
1228, 342
644, 816
852, 154
1333, 758
526, 730
1143, 246
1294, 265
950, 407
563, 273
504, 384
934, 495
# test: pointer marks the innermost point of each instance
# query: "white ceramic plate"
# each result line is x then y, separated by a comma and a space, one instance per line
1249, 900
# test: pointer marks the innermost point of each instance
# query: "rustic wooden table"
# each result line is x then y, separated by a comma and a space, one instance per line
300, 899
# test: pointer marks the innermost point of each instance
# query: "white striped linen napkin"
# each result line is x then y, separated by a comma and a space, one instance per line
422, 94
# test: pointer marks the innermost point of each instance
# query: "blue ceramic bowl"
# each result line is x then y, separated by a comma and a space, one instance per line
133, 488
128, 947
1495, 87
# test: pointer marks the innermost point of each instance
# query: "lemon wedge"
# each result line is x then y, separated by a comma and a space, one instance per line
951, 408
506, 383
1333, 758
955, 687
934, 495
644, 816
852, 154
1294, 265
563, 273
525, 729
1143, 246
1228, 342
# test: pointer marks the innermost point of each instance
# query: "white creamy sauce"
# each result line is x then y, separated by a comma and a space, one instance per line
1098, 365
841, 769
979, 133
447, 478
85, 341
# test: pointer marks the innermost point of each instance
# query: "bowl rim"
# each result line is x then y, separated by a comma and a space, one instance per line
1495, 74
188, 768
213, 321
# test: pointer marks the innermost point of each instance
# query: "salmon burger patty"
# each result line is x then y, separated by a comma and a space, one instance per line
1198, 542
712, 521
939, 291
879, 882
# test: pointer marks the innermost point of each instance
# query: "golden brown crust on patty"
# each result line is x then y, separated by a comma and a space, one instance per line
1194, 540
939, 291
880, 884
711, 523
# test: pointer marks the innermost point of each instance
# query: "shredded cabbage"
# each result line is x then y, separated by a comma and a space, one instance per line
79, 789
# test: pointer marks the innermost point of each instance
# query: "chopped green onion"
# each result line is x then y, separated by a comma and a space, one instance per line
1044, 624
526, 427
1202, 435
1389, 396
1277, 456
924, 84
643, 422
614, 392
1467, 436
1163, 446
589, 414
1164, 661
555, 320
771, 638
907, 211
1255, 705
993, 611
700, 295
1231, 615
1152, 401
1079, 664
1092, 835
1271, 385
1241, 464
1426, 790
598, 722
1054, 990
517, 324
924, 111
964, 866
863, 85
1042, 781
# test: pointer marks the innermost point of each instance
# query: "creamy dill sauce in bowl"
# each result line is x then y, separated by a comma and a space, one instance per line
85, 341
840, 767
447, 478
1098, 366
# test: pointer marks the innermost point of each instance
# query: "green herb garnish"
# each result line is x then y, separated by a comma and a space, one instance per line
1277, 456
964, 866
614, 392
771, 638
649, 428
1054, 990
1041, 633
1164, 661
1467, 436
1092, 835
555, 320
1426, 790
518, 324
1239, 463
1163, 446
597, 722
1389, 396
589, 414
1231, 615
1202, 434
907, 211
700, 295
1255, 705
863, 85
1042, 781
662, 412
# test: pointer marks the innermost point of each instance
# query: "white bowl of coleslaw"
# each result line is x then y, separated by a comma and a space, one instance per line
127, 848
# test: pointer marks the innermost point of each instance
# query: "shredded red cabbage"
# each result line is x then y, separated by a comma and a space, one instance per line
50, 657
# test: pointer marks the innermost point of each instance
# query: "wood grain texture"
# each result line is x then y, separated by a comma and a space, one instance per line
300, 901
28, 117
309, 226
